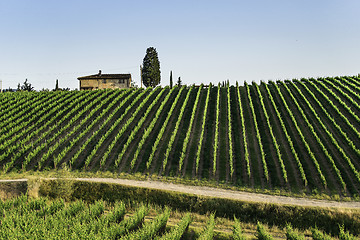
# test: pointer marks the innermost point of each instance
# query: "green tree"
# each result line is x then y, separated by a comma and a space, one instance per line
179, 82
57, 85
151, 68
133, 84
171, 81
25, 87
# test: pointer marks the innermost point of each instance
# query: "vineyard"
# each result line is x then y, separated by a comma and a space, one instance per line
299, 135
41, 218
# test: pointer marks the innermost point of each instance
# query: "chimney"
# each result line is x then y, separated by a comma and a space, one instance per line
99, 72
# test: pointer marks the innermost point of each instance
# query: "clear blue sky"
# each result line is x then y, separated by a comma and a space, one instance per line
200, 41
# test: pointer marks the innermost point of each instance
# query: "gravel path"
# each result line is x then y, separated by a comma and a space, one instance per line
221, 193
14, 180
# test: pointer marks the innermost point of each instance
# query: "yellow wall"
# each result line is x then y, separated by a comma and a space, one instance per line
100, 84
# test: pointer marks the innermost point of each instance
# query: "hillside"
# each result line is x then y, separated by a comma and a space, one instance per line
300, 135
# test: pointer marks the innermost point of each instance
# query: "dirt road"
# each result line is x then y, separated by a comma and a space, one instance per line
222, 193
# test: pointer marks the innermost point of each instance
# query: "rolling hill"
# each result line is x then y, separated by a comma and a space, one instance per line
299, 135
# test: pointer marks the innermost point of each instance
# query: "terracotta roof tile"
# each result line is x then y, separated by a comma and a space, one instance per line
106, 76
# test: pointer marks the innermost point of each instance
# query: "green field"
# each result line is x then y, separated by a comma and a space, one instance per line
42, 218
300, 136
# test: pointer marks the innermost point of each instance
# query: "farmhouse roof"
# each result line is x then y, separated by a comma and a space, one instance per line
107, 76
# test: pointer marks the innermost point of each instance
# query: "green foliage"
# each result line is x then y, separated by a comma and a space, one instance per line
216, 138
96, 134
249, 212
301, 134
312, 134
139, 124
316, 136
237, 231
208, 232
261, 232
162, 130
344, 94
288, 138
56, 206
188, 133
177, 232
129, 224
244, 135
25, 87
148, 130
328, 115
124, 127
150, 229
28, 218
258, 135
151, 68
343, 235
319, 235
277, 147
42, 218
202, 129
176, 130
291, 234
334, 141
231, 156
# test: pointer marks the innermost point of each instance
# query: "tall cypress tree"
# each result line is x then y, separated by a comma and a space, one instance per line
171, 81
151, 68
57, 85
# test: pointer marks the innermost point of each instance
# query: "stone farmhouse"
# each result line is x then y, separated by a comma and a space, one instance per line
103, 81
